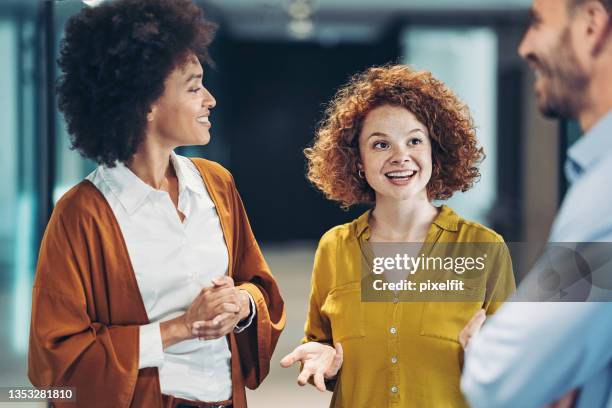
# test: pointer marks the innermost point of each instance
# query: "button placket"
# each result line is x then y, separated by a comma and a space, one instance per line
394, 337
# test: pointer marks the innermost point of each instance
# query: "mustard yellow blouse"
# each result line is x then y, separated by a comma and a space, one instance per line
396, 354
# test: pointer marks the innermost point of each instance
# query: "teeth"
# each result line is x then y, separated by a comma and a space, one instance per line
407, 173
203, 119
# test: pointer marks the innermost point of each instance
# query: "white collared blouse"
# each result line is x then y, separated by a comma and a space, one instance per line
173, 261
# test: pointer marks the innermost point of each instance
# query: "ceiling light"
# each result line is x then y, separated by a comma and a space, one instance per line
93, 3
299, 10
301, 29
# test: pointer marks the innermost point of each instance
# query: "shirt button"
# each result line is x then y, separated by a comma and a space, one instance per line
395, 300
393, 360
393, 330
394, 389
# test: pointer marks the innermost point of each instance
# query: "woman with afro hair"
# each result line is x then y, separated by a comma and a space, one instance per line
150, 288
398, 139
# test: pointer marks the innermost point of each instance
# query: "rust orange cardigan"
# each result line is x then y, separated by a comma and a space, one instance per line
87, 308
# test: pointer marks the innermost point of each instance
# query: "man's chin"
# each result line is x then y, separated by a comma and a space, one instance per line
549, 111
546, 107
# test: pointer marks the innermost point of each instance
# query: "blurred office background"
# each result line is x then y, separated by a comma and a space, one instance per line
278, 63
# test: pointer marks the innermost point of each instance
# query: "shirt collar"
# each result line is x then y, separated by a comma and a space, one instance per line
446, 219
131, 191
188, 176
591, 147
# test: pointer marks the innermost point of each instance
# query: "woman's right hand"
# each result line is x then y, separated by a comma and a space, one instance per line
319, 361
213, 306
206, 317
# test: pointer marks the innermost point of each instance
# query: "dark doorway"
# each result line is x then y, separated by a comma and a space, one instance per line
270, 98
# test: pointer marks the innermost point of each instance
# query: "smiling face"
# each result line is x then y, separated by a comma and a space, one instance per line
548, 47
395, 151
180, 117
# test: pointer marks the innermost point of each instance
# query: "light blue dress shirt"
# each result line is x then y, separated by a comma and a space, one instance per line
530, 354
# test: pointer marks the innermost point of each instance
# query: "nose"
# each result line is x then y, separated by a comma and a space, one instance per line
400, 155
208, 100
524, 48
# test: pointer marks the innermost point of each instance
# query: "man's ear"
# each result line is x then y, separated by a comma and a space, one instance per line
598, 25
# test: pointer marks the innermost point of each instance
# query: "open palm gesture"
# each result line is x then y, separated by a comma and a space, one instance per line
319, 361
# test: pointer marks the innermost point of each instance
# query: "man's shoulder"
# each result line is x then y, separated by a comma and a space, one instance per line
587, 207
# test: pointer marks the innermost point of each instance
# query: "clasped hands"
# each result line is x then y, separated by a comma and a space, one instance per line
217, 310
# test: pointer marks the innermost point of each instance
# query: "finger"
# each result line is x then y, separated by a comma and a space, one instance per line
225, 295
227, 307
223, 280
291, 358
204, 328
227, 298
339, 351
476, 322
567, 401
215, 324
472, 327
220, 291
304, 376
221, 318
228, 325
318, 381
337, 361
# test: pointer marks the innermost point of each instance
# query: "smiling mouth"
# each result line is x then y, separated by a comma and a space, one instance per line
203, 119
400, 175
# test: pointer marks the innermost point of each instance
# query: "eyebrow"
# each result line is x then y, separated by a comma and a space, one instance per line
194, 76
379, 134
533, 15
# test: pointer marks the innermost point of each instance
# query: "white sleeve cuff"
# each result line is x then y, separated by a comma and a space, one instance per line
151, 347
240, 327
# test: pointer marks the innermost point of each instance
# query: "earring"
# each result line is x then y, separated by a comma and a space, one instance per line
361, 174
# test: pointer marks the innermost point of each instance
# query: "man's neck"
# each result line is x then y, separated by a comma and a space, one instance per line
599, 98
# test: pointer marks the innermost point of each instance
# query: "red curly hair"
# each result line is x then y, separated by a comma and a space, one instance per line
334, 155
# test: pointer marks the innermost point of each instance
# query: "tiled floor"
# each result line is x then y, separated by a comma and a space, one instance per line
291, 264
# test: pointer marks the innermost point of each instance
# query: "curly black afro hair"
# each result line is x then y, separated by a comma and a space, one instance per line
114, 60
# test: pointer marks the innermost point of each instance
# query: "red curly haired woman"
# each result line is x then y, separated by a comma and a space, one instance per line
398, 139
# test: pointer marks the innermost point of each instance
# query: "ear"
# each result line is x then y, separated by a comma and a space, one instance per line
151, 113
359, 165
598, 25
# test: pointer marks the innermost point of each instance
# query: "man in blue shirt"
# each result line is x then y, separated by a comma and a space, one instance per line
533, 354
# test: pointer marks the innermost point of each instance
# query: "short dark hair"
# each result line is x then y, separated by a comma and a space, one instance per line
114, 60
572, 4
